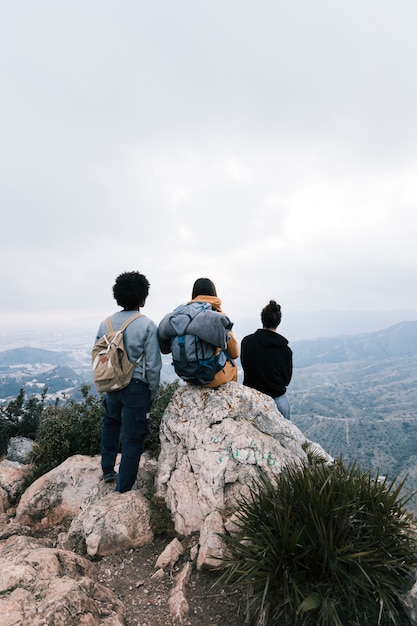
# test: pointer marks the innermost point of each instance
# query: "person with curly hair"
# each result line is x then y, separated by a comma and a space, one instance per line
266, 359
126, 411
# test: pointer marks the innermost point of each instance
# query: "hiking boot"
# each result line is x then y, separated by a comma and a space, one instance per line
110, 477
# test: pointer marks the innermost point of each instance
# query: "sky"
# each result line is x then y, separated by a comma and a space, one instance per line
268, 145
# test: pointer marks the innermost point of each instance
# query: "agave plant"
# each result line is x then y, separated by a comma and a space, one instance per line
323, 545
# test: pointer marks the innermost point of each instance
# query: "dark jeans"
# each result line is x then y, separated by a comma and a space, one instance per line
125, 415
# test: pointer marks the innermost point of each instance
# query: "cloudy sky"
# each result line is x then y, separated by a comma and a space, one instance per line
269, 145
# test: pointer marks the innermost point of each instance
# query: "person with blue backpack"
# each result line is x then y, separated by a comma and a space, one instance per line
200, 338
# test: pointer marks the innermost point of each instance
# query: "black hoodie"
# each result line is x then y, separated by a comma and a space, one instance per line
267, 362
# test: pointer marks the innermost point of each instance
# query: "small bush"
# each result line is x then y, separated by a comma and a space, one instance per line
323, 545
20, 418
74, 428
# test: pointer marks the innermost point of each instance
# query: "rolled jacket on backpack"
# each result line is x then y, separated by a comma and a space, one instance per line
229, 371
194, 319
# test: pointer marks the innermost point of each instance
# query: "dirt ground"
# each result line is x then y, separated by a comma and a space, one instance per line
129, 576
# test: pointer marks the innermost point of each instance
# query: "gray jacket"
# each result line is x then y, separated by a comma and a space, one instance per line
194, 318
140, 338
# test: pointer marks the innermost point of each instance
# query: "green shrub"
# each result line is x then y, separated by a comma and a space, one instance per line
74, 428
323, 545
163, 398
31, 416
20, 418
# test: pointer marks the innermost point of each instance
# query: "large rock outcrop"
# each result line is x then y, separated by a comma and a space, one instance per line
99, 520
214, 444
46, 581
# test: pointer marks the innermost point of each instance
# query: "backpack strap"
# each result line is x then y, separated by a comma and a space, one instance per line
181, 343
129, 320
109, 325
123, 327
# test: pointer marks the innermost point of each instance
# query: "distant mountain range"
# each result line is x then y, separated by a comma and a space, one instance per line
312, 325
396, 341
28, 355
33, 368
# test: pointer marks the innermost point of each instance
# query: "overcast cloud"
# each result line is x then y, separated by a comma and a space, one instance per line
269, 145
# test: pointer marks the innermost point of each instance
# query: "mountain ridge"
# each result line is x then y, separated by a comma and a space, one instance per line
33, 367
29, 354
399, 340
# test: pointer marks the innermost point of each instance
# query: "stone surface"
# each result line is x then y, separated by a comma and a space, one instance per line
170, 555
40, 585
178, 603
12, 479
214, 444
20, 449
211, 544
101, 520
4, 501
61, 494
114, 523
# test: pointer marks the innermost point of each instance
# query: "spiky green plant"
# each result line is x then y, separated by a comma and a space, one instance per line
323, 545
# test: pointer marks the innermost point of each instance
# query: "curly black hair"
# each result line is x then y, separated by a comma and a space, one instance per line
271, 315
131, 290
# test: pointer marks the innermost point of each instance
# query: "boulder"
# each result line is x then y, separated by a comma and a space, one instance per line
115, 523
42, 585
170, 555
211, 545
60, 495
65, 492
100, 520
215, 443
20, 449
13, 477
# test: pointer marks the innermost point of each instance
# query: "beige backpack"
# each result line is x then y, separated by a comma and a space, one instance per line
112, 369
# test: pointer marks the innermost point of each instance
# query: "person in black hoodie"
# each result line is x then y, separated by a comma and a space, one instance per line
266, 359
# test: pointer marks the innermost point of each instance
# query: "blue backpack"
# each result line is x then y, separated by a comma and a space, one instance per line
197, 332
194, 359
